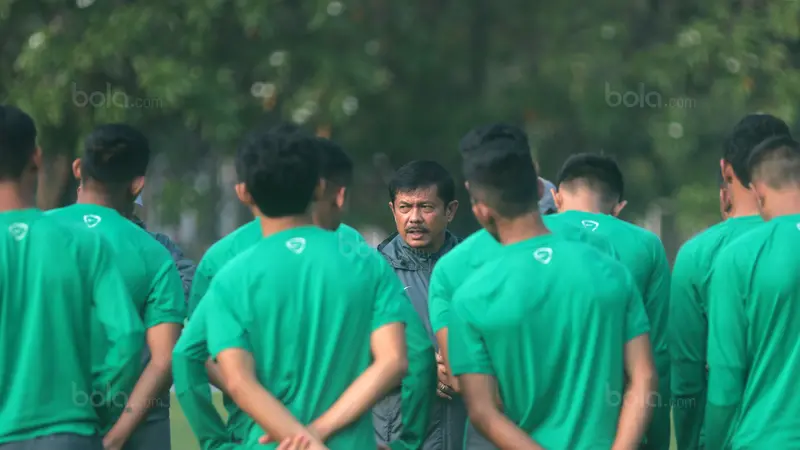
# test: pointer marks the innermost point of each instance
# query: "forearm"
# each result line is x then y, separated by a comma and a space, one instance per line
267, 411
635, 415
155, 379
503, 433
214, 375
360, 396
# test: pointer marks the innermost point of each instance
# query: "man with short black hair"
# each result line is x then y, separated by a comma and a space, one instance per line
61, 292
753, 316
506, 321
590, 194
692, 273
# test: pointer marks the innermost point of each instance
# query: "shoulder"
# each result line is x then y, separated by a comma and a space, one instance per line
745, 248
475, 244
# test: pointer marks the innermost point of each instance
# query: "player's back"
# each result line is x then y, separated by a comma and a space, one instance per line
554, 316
308, 311
45, 320
767, 260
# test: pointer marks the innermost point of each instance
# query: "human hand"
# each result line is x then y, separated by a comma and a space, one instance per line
443, 388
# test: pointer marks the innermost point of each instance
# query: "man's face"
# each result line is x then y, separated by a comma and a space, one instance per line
422, 217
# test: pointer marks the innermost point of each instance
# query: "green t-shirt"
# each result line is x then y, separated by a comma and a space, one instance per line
753, 345
54, 276
306, 312
688, 325
511, 321
192, 388
460, 263
147, 267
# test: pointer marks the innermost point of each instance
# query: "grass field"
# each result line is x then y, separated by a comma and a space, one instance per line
183, 438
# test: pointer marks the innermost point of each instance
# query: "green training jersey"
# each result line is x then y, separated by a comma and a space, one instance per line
688, 324
753, 345
641, 251
457, 265
53, 277
550, 320
192, 388
146, 266
306, 312
224, 251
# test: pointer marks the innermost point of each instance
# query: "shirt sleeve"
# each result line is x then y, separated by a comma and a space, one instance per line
200, 284
468, 352
727, 348
225, 318
440, 293
192, 389
389, 297
117, 315
636, 322
687, 332
165, 303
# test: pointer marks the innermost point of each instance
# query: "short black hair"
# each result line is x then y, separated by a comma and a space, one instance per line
115, 153
17, 142
284, 130
418, 175
746, 135
335, 166
280, 174
599, 173
776, 161
502, 178
512, 135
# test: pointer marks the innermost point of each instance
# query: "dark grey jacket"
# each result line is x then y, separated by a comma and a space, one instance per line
448, 417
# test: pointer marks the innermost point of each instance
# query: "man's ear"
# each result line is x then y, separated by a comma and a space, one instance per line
37, 158
727, 171
557, 198
136, 186
618, 208
76, 168
341, 197
450, 210
244, 195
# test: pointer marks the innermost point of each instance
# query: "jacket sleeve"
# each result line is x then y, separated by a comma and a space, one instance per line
186, 266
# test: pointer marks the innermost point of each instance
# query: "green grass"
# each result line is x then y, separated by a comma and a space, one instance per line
183, 438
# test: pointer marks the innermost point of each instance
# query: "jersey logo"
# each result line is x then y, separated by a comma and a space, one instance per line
798, 226
91, 220
543, 255
296, 245
18, 231
407, 288
590, 224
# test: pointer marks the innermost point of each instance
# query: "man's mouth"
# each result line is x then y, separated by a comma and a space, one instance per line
416, 233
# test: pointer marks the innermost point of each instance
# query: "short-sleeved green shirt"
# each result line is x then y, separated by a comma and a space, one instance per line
550, 320
305, 311
55, 280
753, 345
149, 271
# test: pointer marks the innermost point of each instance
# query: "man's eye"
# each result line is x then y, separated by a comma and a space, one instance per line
404, 208
428, 208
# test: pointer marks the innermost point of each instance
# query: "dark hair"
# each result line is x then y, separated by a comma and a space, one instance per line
505, 179
418, 175
284, 130
746, 135
776, 161
115, 153
600, 173
17, 142
335, 166
280, 174
512, 135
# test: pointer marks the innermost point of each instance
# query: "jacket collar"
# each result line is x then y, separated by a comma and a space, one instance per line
402, 256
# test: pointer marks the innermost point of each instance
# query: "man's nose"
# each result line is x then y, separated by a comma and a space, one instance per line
415, 216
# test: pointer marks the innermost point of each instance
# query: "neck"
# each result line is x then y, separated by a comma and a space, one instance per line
14, 197
786, 203
743, 202
270, 226
94, 197
518, 229
587, 202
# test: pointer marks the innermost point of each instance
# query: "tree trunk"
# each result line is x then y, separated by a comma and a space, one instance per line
55, 182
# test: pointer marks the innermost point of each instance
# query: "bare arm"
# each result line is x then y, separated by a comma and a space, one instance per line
155, 379
642, 383
215, 376
386, 371
238, 373
479, 392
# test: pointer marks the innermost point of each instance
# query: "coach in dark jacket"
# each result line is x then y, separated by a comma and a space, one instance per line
422, 201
